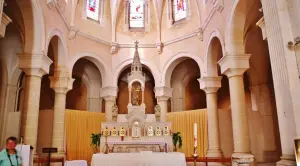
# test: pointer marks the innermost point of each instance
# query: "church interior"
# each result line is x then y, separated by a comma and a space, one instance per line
160, 82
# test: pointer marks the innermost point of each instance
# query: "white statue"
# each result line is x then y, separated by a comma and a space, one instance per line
157, 110
115, 111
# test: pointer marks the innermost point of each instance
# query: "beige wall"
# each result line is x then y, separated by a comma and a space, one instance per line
45, 130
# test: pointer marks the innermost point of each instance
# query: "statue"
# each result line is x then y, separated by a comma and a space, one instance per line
157, 110
115, 111
136, 95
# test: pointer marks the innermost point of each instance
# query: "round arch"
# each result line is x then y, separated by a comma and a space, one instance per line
174, 61
94, 58
123, 65
62, 46
235, 28
34, 26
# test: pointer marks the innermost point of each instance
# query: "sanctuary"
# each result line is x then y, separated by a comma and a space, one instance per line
71, 71
136, 131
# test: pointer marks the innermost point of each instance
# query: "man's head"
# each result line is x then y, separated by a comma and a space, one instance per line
11, 143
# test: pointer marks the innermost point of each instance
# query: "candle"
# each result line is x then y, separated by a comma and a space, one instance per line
195, 134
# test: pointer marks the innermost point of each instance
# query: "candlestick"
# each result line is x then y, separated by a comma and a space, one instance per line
195, 134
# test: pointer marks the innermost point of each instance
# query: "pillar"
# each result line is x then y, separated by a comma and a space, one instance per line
234, 67
285, 75
34, 66
162, 101
61, 84
129, 92
211, 85
109, 103
143, 96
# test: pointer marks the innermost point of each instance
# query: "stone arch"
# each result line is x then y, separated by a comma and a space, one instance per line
93, 57
56, 37
34, 26
235, 27
174, 61
123, 65
211, 60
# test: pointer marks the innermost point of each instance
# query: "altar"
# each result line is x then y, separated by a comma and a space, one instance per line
139, 159
136, 131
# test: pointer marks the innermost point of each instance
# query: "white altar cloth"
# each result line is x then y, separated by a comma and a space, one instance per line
139, 159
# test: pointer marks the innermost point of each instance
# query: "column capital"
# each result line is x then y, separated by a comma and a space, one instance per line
210, 84
61, 84
234, 65
108, 91
162, 98
109, 98
34, 64
163, 91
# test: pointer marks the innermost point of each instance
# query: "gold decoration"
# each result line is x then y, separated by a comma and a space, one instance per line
122, 131
150, 131
166, 131
114, 132
158, 131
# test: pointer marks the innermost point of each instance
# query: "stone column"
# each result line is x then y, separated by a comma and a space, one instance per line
285, 75
109, 103
162, 101
109, 94
211, 85
143, 96
34, 66
129, 92
162, 95
234, 67
61, 84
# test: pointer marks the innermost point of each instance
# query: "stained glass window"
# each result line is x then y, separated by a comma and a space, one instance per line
179, 10
136, 14
92, 9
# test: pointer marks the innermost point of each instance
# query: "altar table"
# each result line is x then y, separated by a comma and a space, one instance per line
139, 159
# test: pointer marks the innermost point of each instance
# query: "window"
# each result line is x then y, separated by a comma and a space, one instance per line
136, 14
179, 10
92, 9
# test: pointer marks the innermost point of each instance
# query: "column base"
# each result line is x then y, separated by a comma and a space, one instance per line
287, 160
242, 159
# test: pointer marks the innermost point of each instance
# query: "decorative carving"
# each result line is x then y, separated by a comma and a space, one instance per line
150, 131
114, 48
115, 111
122, 131
157, 110
72, 33
114, 132
200, 33
166, 131
159, 47
158, 131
